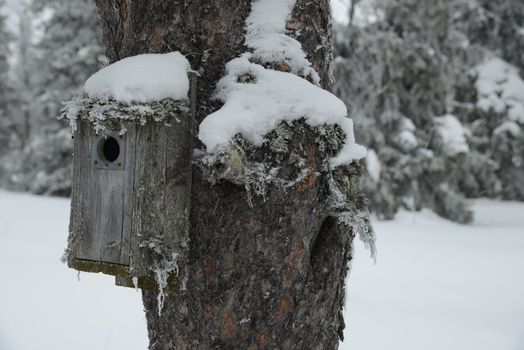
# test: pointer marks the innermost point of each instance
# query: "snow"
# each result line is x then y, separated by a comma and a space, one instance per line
499, 86
257, 99
436, 285
373, 165
407, 124
453, 134
508, 126
440, 285
266, 36
255, 108
268, 16
407, 140
406, 137
516, 111
143, 78
42, 303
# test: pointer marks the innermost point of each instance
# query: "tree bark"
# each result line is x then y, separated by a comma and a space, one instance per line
266, 276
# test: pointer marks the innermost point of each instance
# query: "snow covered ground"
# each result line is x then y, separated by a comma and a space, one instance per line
42, 304
440, 285
437, 285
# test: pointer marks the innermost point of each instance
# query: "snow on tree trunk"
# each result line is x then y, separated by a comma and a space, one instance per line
271, 224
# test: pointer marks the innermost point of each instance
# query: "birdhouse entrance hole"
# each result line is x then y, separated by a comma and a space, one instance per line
109, 149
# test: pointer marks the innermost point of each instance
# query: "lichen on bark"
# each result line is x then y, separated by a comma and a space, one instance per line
106, 115
288, 162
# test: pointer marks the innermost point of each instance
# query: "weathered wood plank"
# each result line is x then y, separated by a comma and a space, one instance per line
179, 152
110, 221
91, 242
128, 199
89, 248
148, 217
105, 209
78, 219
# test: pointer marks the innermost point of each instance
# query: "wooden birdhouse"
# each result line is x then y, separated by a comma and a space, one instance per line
131, 190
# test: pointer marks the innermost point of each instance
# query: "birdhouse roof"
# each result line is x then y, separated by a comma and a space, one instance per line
105, 115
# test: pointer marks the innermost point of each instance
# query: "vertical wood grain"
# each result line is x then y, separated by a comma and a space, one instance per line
128, 198
179, 152
148, 213
89, 248
110, 217
78, 218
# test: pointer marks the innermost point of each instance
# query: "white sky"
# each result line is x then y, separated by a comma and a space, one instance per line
12, 7
340, 10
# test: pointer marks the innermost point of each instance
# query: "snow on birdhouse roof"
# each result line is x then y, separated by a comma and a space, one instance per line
142, 79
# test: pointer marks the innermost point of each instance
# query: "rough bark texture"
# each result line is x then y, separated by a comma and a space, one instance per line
270, 276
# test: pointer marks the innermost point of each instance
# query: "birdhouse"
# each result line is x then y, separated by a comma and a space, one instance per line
131, 191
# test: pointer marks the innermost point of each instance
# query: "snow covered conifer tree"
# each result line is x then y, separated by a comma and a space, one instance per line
5, 122
25, 84
440, 104
50, 68
495, 25
275, 203
396, 73
67, 54
494, 97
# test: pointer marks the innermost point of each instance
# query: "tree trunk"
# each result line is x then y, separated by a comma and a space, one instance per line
266, 276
